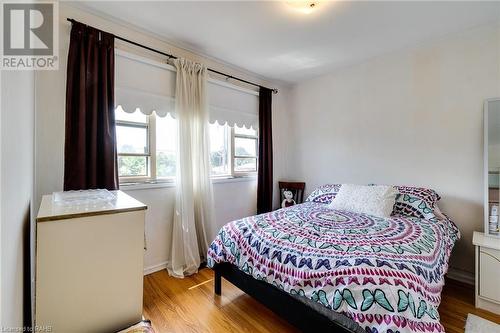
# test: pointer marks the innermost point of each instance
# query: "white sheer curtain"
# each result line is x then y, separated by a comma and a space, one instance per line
194, 199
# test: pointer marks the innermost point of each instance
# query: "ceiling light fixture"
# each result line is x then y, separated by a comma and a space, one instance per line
304, 7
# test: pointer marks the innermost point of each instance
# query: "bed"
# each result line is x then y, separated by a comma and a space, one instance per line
321, 268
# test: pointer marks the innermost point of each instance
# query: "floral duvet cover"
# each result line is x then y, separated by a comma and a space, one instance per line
386, 274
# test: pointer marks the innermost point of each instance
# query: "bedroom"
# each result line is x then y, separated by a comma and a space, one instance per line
395, 97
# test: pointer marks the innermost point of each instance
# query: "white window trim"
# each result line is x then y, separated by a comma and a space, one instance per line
233, 155
148, 155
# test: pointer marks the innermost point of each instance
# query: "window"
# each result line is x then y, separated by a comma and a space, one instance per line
132, 135
225, 161
147, 144
147, 148
245, 150
219, 149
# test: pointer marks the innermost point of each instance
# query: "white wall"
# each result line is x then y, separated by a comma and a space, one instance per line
232, 200
17, 126
228, 207
410, 117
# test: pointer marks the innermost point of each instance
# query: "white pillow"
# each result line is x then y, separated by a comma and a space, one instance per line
377, 200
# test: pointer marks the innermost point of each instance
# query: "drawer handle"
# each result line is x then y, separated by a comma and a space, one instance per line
490, 256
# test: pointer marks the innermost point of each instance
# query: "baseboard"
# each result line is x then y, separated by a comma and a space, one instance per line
460, 275
155, 268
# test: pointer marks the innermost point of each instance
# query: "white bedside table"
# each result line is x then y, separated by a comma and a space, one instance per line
487, 272
89, 265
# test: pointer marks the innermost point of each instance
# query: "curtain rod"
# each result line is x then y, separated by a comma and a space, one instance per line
169, 56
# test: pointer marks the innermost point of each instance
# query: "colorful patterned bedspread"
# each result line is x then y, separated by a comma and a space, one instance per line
385, 274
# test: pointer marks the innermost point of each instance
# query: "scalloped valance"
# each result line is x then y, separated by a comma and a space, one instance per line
132, 99
149, 86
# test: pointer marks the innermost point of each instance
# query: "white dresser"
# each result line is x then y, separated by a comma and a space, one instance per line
89, 265
487, 272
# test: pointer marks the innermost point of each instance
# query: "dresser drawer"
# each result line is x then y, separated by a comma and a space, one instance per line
489, 271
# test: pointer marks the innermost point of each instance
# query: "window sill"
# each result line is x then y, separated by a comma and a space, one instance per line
233, 179
166, 184
146, 185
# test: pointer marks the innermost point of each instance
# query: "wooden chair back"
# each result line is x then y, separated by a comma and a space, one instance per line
297, 189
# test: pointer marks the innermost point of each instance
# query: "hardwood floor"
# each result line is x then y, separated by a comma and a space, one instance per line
189, 305
457, 301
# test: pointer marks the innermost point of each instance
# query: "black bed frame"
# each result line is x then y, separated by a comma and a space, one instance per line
283, 304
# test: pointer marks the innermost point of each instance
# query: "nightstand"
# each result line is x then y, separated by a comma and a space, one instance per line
487, 272
89, 263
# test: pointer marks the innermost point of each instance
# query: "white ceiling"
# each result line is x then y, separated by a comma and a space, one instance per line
275, 42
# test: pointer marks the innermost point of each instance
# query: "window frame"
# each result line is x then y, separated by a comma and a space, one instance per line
148, 126
152, 176
255, 137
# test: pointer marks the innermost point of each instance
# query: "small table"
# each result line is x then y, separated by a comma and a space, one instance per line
487, 271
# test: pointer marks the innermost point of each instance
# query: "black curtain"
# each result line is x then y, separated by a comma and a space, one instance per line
265, 168
90, 157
